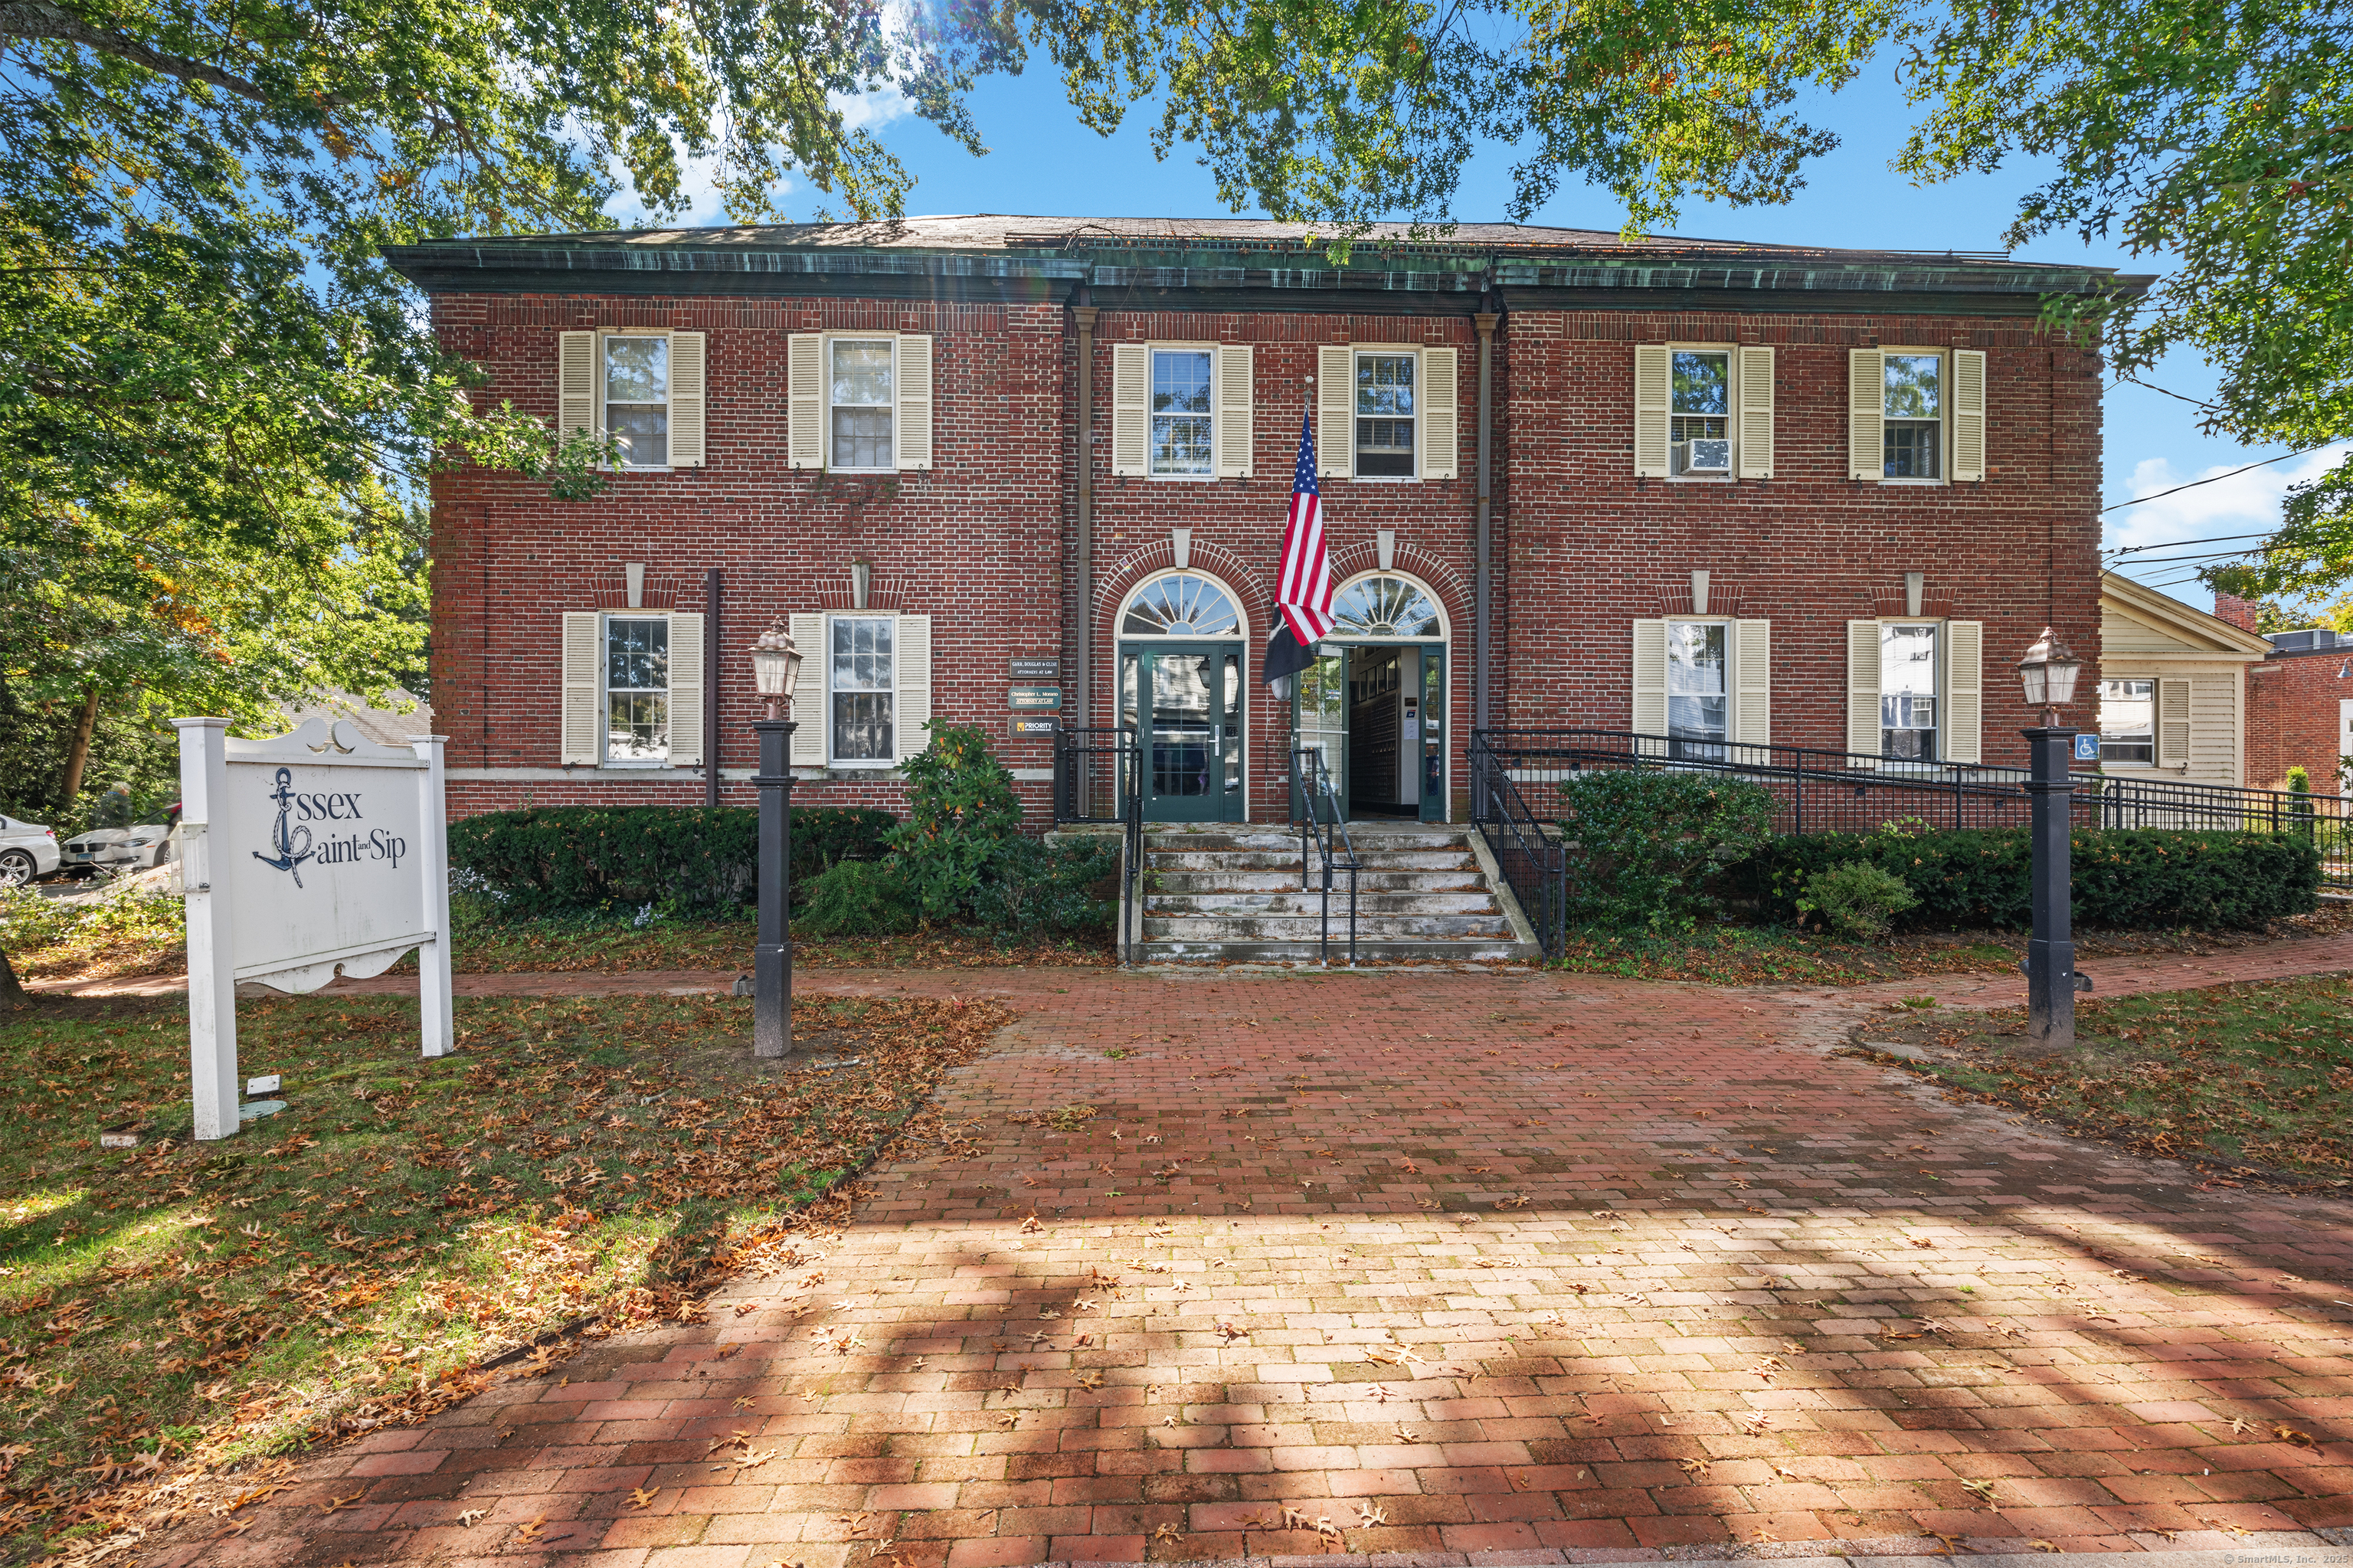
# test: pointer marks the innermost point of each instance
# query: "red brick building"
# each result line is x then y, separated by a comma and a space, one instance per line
1718, 492
2299, 704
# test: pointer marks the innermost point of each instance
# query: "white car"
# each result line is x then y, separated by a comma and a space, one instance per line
113, 850
28, 851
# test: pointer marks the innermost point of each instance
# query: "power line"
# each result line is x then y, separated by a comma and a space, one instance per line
2177, 544
2144, 500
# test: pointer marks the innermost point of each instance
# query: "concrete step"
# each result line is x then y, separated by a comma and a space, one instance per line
1275, 837
1367, 953
1224, 880
1477, 901
1277, 860
1305, 927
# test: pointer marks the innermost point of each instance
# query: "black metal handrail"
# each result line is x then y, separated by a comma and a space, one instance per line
1310, 781
1819, 790
1091, 769
1535, 865
1132, 848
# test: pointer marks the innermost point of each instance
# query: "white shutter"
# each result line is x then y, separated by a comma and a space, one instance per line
1131, 408
1441, 442
584, 661
805, 401
2172, 723
686, 738
1233, 426
575, 386
811, 642
1968, 415
1863, 692
1866, 410
1651, 684
1335, 395
1965, 691
912, 664
1653, 396
686, 400
1752, 673
915, 400
1755, 379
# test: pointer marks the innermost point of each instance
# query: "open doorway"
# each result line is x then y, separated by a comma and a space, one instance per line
1377, 714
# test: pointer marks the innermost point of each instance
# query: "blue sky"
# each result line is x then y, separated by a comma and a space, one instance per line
1042, 161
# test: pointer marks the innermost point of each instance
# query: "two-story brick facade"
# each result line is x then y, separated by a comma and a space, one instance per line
1721, 492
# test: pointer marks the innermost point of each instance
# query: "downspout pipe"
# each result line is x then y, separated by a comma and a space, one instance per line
1083, 645
1483, 590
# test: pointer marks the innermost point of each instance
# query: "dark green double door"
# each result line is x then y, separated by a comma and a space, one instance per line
1185, 700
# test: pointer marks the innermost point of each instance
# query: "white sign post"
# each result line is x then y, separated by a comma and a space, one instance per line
305, 854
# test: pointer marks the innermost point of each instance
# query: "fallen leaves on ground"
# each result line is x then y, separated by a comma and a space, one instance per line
575, 1168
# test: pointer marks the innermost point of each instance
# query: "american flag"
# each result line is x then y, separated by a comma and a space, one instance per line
1305, 593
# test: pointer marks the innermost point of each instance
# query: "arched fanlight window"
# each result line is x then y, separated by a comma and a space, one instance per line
1386, 607
1183, 604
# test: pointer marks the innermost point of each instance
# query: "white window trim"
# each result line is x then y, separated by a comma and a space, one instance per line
825, 430
2105, 763
1944, 434
1157, 347
1731, 673
1356, 351
860, 764
1944, 699
605, 678
604, 425
1731, 352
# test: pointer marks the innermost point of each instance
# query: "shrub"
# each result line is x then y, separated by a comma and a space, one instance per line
962, 812
555, 860
1035, 886
857, 898
1857, 898
1643, 843
2131, 879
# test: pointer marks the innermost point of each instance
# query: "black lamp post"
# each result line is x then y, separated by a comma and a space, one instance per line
775, 669
2048, 675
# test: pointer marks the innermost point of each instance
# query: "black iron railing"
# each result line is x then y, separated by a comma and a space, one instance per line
1131, 852
1311, 786
1822, 791
1527, 847
1091, 773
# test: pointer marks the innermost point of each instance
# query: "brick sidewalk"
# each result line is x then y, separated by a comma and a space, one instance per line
1426, 1263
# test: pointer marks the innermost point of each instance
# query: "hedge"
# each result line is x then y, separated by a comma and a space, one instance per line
2140, 879
554, 860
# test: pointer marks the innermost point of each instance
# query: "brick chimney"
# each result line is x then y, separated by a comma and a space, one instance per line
2238, 611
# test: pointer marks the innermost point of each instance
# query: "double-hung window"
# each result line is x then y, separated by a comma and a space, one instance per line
637, 688
637, 399
861, 398
1699, 414
2128, 723
861, 685
1907, 691
1699, 694
1913, 409
1385, 416
1182, 436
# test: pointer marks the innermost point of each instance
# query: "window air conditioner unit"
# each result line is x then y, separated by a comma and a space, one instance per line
1704, 456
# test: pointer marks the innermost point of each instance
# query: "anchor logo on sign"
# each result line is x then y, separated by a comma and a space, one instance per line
292, 843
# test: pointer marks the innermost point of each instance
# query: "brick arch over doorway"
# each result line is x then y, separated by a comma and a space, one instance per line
1212, 561
1453, 595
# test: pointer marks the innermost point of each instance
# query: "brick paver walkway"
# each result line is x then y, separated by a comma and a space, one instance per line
1428, 1264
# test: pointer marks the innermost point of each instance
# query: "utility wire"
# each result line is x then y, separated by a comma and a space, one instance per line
2144, 500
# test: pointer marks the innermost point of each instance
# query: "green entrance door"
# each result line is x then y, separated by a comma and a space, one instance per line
1319, 725
1433, 720
1185, 700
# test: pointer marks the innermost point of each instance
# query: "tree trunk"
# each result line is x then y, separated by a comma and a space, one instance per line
77, 759
12, 994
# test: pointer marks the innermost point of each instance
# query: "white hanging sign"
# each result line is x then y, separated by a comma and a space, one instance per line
305, 854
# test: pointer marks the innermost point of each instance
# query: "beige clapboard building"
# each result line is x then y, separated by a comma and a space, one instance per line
2172, 694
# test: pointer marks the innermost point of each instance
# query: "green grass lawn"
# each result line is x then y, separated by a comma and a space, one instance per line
340, 1264
2256, 1076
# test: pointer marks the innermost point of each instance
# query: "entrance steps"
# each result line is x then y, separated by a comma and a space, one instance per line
1230, 894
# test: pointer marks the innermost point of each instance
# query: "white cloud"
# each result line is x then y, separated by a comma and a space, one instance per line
2246, 503
870, 110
